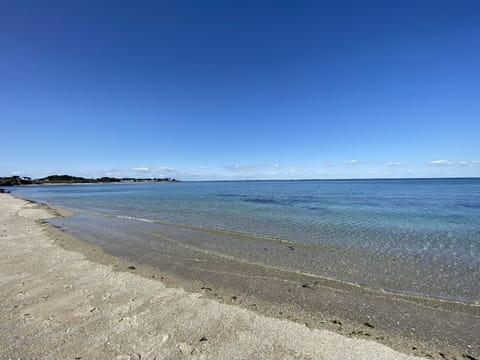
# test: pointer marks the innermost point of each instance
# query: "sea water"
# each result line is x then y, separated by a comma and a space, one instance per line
418, 236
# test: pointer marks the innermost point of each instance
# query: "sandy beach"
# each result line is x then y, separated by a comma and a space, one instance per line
57, 302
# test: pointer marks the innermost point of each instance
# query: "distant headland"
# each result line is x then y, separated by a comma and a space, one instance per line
69, 179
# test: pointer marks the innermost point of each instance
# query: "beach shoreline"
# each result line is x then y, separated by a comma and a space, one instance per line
430, 329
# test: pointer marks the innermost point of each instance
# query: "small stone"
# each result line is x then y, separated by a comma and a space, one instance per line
185, 348
135, 356
165, 337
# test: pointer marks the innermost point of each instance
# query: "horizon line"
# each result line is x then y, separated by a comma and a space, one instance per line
291, 179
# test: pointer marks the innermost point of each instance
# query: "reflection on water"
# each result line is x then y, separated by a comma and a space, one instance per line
410, 235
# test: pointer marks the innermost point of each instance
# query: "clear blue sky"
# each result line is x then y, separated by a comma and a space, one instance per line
240, 89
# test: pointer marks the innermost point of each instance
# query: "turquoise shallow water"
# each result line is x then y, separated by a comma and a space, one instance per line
432, 225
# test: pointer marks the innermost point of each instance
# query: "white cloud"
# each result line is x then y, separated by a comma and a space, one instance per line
474, 162
351, 162
329, 164
246, 169
142, 169
276, 166
390, 163
442, 162
166, 168
463, 163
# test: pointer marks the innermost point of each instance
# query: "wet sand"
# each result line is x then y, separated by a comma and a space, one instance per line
66, 297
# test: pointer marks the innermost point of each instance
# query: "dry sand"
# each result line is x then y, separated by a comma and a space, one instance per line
56, 304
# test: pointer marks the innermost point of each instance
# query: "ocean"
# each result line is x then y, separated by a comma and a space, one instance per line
414, 236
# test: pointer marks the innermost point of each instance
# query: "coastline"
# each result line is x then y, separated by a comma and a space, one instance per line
329, 256
255, 292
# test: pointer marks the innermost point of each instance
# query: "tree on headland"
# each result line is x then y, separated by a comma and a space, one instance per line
15, 180
69, 179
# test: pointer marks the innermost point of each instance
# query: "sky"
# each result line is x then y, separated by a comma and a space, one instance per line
202, 90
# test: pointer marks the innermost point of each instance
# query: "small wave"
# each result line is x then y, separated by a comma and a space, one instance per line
270, 201
471, 206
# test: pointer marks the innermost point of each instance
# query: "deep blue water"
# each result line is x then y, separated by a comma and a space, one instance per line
434, 220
